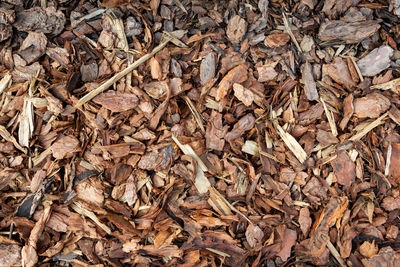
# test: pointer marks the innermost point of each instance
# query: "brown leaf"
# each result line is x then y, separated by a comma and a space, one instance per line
219, 241
117, 101
328, 217
371, 105
28, 252
344, 168
236, 75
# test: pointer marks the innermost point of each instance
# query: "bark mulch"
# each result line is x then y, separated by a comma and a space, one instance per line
199, 133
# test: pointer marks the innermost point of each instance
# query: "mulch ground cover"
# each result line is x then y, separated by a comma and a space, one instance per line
199, 133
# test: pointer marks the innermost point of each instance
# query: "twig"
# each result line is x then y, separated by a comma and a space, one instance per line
89, 16
357, 69
8, 137
5, 82
289, 31
336, 254
121, 74
368, 128
330, 117
180, 5
196, 113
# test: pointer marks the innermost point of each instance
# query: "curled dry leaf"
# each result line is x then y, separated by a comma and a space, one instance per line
328, 217
117, 101
371, 105
236, 75
29, 253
